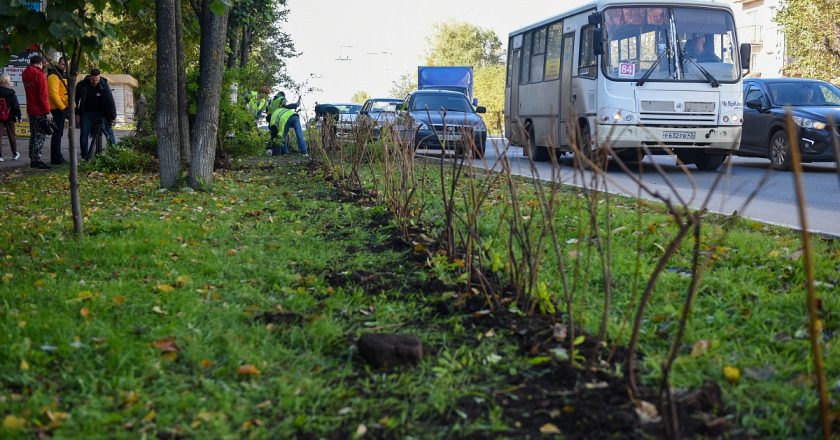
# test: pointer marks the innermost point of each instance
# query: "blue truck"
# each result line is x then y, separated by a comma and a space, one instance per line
454, 78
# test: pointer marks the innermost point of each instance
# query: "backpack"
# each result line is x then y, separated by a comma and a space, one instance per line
4, 110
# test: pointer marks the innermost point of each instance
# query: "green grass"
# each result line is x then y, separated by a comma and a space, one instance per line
79, 320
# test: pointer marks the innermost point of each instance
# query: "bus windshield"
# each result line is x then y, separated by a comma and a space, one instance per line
670, 44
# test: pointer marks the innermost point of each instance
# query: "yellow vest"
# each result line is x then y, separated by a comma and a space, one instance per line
280, 117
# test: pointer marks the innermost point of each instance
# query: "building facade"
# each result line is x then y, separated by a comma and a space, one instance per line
756, 25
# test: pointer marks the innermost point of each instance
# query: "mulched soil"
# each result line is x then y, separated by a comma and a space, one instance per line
582, 403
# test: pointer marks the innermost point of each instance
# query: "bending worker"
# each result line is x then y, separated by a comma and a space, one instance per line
285, 118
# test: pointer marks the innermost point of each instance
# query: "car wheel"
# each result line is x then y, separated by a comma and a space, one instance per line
539, 154
708, 161
779, 153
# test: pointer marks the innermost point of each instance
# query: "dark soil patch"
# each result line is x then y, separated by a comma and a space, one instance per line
589, 399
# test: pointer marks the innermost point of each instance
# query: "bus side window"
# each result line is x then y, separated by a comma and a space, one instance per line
587, 61
525, 74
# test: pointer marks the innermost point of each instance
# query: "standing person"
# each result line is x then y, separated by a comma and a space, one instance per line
37, 108
9, 113
94, 100
286, 118
57, 84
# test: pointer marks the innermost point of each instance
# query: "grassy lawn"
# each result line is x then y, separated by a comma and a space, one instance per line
235, 314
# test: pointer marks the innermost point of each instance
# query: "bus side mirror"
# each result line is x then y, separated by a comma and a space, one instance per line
598, 42
595, 18
746, 55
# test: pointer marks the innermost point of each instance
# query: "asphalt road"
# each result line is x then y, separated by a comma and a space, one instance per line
775, 202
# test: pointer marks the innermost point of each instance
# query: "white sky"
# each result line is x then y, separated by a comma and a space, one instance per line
387, 38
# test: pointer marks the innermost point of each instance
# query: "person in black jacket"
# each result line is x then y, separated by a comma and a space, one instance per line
94, 100
10, 101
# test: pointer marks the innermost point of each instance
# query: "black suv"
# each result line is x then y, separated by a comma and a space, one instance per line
812, 104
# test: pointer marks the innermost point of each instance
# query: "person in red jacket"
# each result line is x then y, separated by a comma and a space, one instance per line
38, 109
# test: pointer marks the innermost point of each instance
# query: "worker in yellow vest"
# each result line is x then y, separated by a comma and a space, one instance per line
285, 118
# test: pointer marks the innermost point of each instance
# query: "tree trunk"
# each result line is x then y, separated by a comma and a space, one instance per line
210, 64
166, 114
245, 49
233, 45
183, 113
75, 203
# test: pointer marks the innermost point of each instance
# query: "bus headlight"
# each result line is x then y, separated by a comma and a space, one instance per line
611, 116
732, 119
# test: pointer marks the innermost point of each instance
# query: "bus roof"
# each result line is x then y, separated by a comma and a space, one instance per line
600, 5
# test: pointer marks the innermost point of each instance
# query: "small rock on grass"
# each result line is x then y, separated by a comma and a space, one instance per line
388, 350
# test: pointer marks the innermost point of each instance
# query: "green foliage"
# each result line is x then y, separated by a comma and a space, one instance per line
66, 23
406, 84
120, 159
490, 91
463, 44
812, 37
360, 97
142, 144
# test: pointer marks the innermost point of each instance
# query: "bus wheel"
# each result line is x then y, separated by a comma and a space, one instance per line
539, 154
686, 157
708, 161
633, 155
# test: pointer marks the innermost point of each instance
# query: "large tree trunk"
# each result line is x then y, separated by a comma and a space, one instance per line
183, 113
166, 114
245, 49
210, 64
75, 203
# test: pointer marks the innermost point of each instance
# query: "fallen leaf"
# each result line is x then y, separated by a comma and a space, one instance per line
647, 412
248, 370
119, 300
84, 312
24, 366
158, 310
167, 345
164, 288
182, 280
701, 347
131, 398
361, 430
13, 423
206, 363
418, 247
731, 374
149, 416
7, 277
549, 428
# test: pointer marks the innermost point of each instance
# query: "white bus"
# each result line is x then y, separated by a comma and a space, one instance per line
654, 73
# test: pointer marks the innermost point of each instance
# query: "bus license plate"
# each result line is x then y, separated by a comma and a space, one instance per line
678, 135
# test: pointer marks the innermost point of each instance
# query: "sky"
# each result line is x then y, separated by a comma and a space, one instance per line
379, 40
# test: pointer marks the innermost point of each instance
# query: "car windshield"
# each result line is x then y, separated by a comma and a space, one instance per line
384, 106
804, 94
348, 108
685, 41
448, 102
